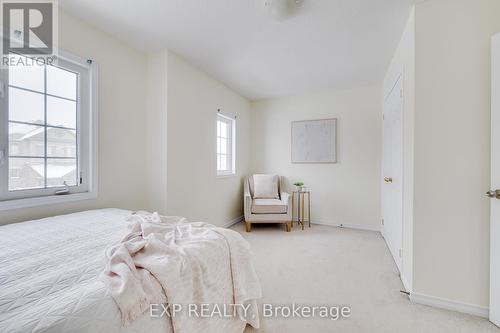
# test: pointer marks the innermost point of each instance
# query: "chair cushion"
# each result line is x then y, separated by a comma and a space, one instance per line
268, 206
265, 186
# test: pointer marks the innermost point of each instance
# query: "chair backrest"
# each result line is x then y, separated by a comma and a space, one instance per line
250, 182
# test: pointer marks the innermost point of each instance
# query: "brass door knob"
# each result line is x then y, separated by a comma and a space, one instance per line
388, 179
493, 194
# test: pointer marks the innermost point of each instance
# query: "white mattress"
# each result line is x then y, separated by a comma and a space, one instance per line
49, 276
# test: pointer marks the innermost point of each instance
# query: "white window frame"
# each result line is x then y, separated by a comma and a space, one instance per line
231, 122
87, 136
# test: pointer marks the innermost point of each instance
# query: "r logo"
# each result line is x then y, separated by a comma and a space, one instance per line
28, 27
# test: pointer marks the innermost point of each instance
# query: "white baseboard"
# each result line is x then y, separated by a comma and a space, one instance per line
448, 304
348, 226
233, 222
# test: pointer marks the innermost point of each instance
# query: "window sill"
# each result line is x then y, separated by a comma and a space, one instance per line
229, 175
48, 200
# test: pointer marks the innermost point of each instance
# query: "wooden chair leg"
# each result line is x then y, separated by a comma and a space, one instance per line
248, 226
288, 226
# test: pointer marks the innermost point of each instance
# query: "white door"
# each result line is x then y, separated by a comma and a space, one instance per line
392, 171
495, 185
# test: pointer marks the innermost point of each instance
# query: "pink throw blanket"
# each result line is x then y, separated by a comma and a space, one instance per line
168, 259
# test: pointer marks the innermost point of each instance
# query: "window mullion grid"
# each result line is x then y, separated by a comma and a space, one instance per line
229, 147
229, 162
218, 146
37, 124
79, 176
45, 124
4, 138
220, 153
225, 167
43, 93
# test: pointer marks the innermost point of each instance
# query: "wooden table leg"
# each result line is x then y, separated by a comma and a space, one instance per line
309, 207
298, 209
303, 210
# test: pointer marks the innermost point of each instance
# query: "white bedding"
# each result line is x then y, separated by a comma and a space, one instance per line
49, 276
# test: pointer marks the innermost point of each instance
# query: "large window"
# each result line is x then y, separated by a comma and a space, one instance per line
226, 128
46, 128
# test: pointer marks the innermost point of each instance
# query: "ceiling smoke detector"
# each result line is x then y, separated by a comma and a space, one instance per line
282, 9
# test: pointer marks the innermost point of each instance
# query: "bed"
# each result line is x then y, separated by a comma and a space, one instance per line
49, 272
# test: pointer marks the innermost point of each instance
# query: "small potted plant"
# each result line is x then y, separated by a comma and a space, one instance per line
300, 186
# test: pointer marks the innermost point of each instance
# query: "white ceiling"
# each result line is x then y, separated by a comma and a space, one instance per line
327, 44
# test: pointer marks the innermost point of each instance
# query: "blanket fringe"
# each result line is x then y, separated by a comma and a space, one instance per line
136, 310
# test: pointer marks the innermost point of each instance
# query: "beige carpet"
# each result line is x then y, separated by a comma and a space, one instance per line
334, 266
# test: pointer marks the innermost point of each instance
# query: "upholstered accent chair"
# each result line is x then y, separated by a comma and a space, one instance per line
265, 201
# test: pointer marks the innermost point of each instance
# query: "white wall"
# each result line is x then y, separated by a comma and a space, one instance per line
156, 132
122, 94
452, 148
138, 93
193, 189
344, 193
403, 63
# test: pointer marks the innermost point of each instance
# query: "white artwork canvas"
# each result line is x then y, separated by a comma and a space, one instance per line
314, 141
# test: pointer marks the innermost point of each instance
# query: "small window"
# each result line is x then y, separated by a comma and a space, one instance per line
226, 136
47, 130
